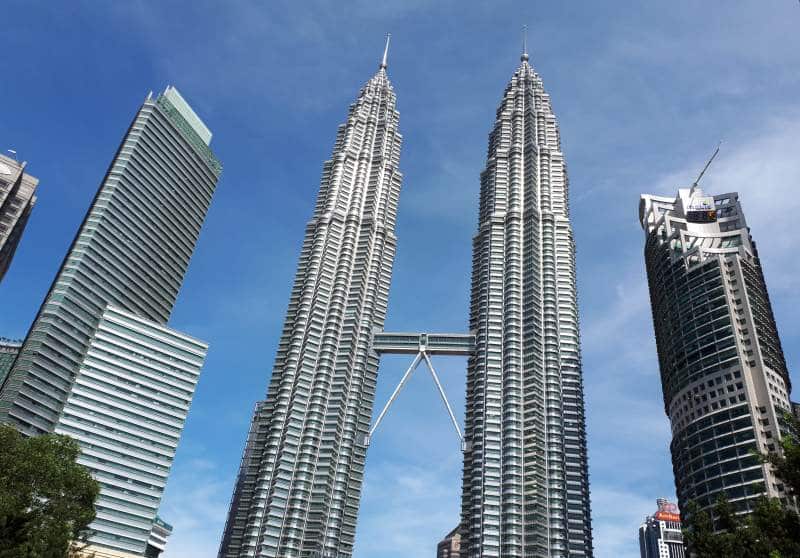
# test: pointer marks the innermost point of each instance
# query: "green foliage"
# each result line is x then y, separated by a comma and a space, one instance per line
771, 530
787, 463
46, 498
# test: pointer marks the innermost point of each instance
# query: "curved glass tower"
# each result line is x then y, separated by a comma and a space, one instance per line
299, 486
525, 486
723, 371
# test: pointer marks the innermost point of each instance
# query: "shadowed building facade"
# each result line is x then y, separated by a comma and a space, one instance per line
99, 362
299, 486
450, 545
9, 349
525, 485
723, 372
16, 203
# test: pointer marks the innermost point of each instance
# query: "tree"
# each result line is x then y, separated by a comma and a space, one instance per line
46, 497
770, 530
787, 463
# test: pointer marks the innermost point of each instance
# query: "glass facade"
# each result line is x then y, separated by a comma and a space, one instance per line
723, 372
525, 486
98, 363
127, 408
132, 251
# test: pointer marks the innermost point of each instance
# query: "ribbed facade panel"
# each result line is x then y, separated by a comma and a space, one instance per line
8, 354
127, 408
525, 486
299, 486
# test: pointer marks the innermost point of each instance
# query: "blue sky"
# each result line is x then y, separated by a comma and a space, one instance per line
643, 92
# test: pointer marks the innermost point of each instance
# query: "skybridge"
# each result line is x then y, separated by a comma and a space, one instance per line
423, 346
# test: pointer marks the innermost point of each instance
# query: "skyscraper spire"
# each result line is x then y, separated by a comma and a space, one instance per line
299, 485
525, 484
524, 56
384, 64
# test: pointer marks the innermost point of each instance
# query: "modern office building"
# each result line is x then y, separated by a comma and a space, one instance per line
16, 203
660, 534
723, 373
525, 485
450, 545
299, 485
9, 349
127, 408
158, 538
99, 362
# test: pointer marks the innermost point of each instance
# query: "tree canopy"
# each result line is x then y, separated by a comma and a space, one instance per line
770, 530
46, 497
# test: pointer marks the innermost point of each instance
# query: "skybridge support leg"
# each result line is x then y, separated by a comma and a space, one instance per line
403, 381
444, 398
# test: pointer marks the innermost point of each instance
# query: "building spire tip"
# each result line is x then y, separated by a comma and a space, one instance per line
384, 63
524, 56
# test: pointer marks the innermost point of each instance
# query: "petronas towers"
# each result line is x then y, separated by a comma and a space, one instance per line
525, 484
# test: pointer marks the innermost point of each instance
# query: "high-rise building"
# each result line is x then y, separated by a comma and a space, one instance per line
99, 362
660, 534
723, 373
9, 349
16, 203
525, 485
450, 545
158, 538
126, 409
299, 485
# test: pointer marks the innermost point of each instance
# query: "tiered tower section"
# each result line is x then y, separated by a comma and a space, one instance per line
525, 489
299, 487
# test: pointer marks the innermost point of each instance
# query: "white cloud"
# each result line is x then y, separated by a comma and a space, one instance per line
617, 516
411, 507
196, 505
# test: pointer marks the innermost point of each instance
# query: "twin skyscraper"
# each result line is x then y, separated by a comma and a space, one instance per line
525, 485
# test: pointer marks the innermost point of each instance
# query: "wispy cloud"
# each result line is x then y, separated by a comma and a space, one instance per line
196, 505
393, 500
617, 516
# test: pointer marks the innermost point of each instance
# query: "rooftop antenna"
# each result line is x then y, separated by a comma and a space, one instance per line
384, 64
696, 183
524, 56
